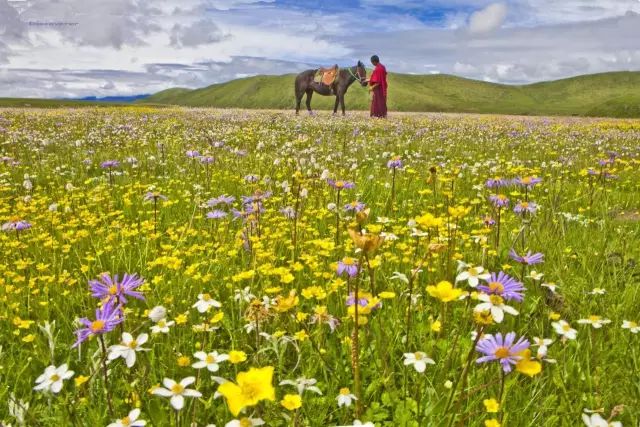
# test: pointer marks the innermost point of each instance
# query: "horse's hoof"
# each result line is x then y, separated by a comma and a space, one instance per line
311, 113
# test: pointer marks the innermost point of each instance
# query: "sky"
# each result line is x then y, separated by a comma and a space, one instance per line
76, 48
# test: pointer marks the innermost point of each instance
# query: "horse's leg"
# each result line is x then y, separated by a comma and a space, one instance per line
335, 106
309, 95
342, 103
298, 101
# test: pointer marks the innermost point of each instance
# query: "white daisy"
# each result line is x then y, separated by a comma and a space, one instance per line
303, 384
473, 275
596, 420
496, 306
128, 348
345, 397
419, 360
598, 291
209, 360
543, 346
177, 391
564, 329
157, 313
633, 327
52, 379
130, 420
162, 326
205, 302
596, 321
245, 422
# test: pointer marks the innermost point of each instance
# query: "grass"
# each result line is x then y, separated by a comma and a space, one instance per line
607, 95
273, 269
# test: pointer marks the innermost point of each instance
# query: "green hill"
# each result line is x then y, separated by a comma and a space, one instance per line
614, 94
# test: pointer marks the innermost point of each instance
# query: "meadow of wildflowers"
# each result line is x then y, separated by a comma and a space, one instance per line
198, 267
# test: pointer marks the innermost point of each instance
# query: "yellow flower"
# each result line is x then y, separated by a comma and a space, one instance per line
444, 291
184, 361
436, 326
236, 356
301, 335
181, 319
387, 295
527, 366
284, 304
367, 242
458, 211
29, 338
491, 405
492, 423
291, 402
428, 221
252, 386
80, 379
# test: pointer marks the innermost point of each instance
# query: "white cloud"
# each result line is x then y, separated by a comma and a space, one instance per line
488, 19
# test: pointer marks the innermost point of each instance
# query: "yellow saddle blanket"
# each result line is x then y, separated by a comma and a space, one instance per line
327, 75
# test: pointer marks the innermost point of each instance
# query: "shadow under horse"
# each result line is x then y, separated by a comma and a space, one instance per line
305, 83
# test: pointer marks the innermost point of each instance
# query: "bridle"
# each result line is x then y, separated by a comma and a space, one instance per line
357, 77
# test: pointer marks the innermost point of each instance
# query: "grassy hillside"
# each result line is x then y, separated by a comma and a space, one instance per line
608, 94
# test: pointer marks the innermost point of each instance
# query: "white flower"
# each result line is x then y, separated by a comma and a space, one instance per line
596, 321
244, 295
130, 420
52, 378
551, 286
209, 360
419, 360
205, 302
494, 304
564, 329
543, 346
245, 422
595, 420
358, 423
303, 384
534, 275
162, 326
473, 275
633, 327
128, 348
157, 313
177, 391
598, 291
345, 397
18, 409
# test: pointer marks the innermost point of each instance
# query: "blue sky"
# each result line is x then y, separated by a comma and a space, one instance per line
69, 48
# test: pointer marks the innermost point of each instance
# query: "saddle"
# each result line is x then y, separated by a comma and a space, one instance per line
327, 75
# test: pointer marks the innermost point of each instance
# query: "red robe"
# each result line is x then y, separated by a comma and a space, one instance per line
379, 99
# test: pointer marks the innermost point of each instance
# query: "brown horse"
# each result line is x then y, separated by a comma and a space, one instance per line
305, 83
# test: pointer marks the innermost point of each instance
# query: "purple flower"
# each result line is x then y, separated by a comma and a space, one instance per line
153, 196
526, 207
528, 259
354, 206
340, 185
109, 164
496, 182
395, 163
499, 200
224, 199
107, 317
109, 287
16, 225
288, 212
192, 154
207, 160
348, 266
251, 178
362, 302
503, 285
216, 214
488, 221
504, 350
528, 181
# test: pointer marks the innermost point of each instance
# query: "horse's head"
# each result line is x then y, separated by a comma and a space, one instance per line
361, 72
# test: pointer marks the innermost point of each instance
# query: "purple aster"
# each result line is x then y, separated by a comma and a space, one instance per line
354, 206
528, 259
395, 163
192, 154
251, 178
488, 221
499, 200
525, 207
362, 302
216, 214
224, 199
288, 212
111, 288
207, 160
107, 317
496, 182
340, 185
153, 196
16, 225
503, 285
506, 351
528, 181
109, 164
347, 266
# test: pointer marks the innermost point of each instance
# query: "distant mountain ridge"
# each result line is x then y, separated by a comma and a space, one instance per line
614, 94
114, 98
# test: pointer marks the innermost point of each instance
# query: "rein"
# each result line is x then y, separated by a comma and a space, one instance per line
354, 75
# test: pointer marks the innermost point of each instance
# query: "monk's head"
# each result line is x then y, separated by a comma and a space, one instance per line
375, 60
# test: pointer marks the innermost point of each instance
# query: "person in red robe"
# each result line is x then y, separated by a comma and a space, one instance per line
378, 88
